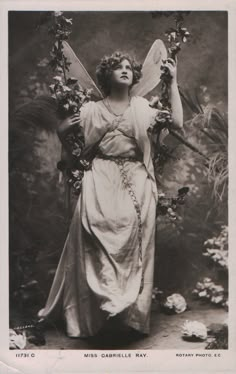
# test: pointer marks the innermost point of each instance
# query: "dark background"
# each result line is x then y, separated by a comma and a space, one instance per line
38, 223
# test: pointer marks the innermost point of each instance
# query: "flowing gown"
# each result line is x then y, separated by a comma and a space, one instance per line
106, 267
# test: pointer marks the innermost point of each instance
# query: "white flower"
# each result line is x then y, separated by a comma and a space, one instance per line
52, 87
176, 302
217, 288
194, 329
204, 89
66, 106
57, 78
210, 251
202, 293
44, 62
17, 341
200, 286
216, 256
207, 280
68, 20
66, 89
76, 173
59, 69
58, 14
217, 299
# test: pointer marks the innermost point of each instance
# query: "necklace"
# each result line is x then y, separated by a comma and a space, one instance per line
108, 105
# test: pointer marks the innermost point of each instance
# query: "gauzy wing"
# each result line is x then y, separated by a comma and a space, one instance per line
77, 70
151, 70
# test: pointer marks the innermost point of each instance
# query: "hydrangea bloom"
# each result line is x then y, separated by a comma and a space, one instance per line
176, 303
17, 341
194, 329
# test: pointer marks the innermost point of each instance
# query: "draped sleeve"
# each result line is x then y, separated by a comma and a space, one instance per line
94, 122
151, 114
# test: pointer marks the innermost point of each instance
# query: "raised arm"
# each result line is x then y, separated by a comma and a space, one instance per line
176, 105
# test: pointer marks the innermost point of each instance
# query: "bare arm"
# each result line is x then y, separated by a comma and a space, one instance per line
176, 105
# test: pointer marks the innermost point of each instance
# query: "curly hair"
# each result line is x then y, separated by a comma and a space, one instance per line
108, 64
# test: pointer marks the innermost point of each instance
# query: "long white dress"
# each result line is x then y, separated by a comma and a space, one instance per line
109, 251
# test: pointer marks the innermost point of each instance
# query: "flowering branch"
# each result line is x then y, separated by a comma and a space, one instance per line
216, 250
168, 205
176, 36
70, 96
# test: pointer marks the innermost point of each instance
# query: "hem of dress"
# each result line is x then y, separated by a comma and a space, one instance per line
139, 328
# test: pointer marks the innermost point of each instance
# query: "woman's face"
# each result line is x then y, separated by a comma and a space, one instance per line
122, 74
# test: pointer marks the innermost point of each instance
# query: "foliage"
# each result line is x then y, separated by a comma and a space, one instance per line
218, 337
209, 291
210, 127
163, 120
16, 341
60, 29
70, 97
32, 209
168, 205
180, 242
216, 250
21, 336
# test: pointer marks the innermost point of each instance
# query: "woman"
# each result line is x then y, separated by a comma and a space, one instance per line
106, 268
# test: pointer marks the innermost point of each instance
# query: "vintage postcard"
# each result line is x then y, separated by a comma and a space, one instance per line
117, 214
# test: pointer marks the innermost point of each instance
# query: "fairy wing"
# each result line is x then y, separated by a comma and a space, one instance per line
151, 70
78, 71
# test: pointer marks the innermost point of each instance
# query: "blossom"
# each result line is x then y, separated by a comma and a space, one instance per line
207, 280
66, 106
59, 70
156, 293
217, 299
66, 89
52, 87
176, 303
77, 184
219, 256
211, 291
226, 304
194, 329
17, 341
58, 14
68, 20
44, 62
202, 293
57, 78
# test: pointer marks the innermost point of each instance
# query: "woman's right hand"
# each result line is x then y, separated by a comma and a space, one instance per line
67, 122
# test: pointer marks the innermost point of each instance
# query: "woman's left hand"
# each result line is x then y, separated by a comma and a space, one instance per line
171, 65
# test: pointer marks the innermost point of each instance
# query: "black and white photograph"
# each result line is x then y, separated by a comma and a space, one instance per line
118, 176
